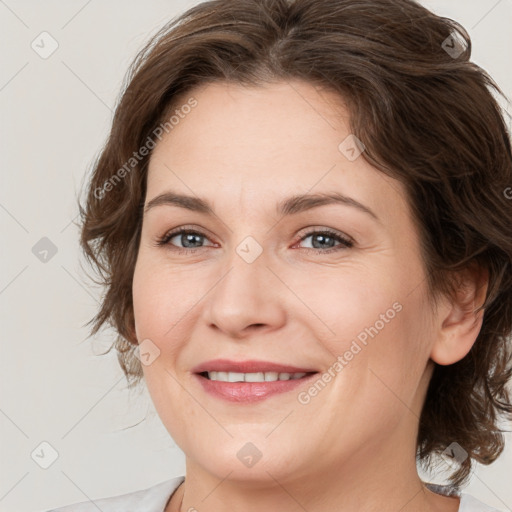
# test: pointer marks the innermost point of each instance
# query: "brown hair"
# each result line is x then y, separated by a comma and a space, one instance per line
427, 117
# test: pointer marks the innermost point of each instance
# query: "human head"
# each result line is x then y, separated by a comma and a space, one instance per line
427, 119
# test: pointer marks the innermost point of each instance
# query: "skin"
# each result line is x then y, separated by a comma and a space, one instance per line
352, 447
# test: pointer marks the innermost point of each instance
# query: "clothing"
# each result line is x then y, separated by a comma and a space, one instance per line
155, 499
467, 502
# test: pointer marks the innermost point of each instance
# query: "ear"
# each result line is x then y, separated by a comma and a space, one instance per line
458, 324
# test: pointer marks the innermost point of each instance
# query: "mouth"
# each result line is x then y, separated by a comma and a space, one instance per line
250, 380
250, 387
270, 376
248, 367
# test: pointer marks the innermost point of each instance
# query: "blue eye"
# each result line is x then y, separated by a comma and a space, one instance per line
187, 237
326, 239
323, 241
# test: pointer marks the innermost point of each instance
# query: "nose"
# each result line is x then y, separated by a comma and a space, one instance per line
247, 298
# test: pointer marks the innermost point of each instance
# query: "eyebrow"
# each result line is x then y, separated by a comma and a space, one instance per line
289, 206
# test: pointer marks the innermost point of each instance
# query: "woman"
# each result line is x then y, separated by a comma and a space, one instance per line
302, 218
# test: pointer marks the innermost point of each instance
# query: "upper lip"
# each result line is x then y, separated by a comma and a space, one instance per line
248, 366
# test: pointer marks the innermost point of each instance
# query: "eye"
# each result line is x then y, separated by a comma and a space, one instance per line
189, 238
323, 241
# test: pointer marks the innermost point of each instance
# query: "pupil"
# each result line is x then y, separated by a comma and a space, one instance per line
323, 238
188, 238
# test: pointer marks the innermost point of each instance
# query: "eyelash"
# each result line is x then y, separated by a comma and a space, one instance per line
345, 242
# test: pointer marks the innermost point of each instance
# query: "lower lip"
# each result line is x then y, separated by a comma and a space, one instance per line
248, 392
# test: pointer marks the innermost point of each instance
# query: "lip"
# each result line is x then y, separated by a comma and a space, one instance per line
250, 392
248, 366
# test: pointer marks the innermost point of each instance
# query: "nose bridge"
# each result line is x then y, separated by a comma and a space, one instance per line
246, 294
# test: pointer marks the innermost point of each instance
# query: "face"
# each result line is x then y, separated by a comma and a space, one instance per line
335, 287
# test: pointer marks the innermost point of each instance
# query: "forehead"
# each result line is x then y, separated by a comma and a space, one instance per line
235, 120
256, 144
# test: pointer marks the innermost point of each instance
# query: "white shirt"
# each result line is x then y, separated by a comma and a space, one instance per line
155, 499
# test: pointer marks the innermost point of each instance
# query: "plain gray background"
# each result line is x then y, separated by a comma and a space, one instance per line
56, 113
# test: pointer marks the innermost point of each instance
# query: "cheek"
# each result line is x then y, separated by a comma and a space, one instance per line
378, 322
157, 311
143, 296
152, 315
166, 304
158, 297
397, 355
352, 302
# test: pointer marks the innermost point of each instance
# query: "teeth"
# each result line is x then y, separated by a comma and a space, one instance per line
253, 377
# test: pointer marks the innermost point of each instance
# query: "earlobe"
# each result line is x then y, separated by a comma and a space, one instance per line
460, 320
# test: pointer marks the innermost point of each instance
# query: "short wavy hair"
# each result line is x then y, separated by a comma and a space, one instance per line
427, 117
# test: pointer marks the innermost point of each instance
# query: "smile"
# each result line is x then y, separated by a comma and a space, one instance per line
250, 387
